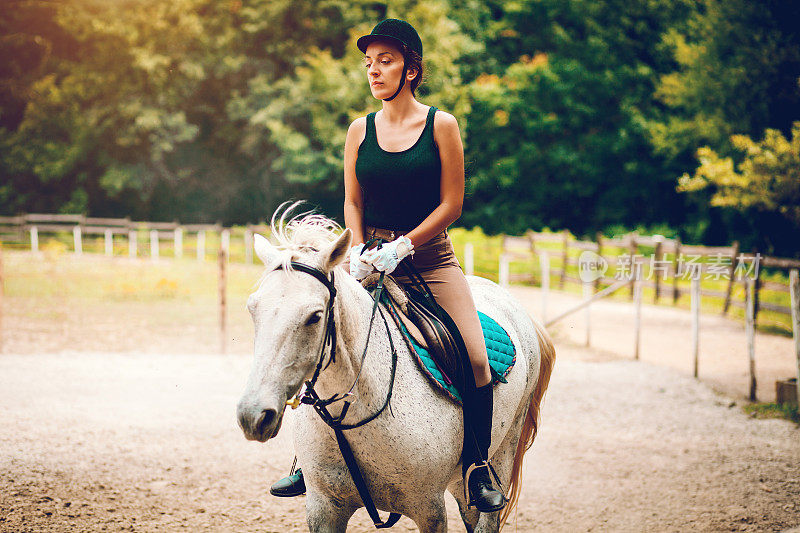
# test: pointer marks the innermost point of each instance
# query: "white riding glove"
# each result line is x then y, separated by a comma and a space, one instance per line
386, 258
359, 268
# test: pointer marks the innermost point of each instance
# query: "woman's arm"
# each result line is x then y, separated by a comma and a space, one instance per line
451, 153
353, 204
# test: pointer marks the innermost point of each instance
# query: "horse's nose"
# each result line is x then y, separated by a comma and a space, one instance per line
264, 423
257, 424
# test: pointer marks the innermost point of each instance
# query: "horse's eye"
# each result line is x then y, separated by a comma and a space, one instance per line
313, 319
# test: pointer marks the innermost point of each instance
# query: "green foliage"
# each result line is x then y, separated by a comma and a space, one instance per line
737, 65
557, 131
737, 73
768, 178
788, 411
576, 114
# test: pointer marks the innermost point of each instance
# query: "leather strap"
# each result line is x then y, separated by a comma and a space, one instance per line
358, 479
321, 406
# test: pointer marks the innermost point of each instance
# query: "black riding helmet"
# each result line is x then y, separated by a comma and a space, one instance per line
401, 33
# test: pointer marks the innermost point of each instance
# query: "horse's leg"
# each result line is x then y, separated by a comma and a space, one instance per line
326, 516
502, 462
433, 517
468, 516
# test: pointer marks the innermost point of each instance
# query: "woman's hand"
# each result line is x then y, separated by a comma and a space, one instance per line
359, 269
386, 258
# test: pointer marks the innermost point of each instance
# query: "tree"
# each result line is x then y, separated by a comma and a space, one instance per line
557, 131
767, 179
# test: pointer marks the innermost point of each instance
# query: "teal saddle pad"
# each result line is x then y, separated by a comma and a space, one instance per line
501, 351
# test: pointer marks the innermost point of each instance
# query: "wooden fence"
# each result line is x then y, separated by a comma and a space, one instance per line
667, 264
142, 238
668, 261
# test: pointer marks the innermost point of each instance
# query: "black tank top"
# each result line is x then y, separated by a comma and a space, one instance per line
399, 189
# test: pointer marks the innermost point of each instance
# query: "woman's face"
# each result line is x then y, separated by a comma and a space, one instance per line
384, 64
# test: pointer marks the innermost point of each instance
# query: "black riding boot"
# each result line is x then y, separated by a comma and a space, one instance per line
478, 406
292, 485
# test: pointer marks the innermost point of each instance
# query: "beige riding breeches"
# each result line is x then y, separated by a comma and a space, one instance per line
436, 262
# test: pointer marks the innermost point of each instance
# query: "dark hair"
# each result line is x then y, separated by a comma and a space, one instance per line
414, 61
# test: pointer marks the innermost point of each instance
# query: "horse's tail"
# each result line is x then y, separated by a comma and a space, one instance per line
547, 353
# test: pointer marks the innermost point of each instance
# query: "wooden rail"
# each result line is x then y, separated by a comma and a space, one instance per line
669, 261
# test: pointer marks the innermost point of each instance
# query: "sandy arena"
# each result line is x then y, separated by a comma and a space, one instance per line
147, 440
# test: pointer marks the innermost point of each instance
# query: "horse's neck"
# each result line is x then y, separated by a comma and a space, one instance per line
352, 312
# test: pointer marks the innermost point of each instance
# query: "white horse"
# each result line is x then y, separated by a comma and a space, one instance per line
411, 455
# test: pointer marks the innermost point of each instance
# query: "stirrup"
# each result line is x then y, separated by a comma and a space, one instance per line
468, 497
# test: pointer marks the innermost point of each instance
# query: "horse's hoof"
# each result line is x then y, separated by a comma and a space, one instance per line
287, 487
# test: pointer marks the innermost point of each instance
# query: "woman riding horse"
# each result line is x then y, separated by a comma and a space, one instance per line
404, 183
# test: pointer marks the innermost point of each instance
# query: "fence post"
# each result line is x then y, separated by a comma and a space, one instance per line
2, 294
178, 238
503, 274
637, 324
34, 239
248, 246
223, 278
201, 245
756, 292
564, 259
153, 244
676, 271
696, 323
731, 272
587, 294
133, 246
225, 241
108, 239
751, 333
599, 239
794, 289
77, 240
544, 262
657, 258
633, 248
469, 259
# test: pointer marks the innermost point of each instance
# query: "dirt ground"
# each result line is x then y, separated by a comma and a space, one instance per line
141, 436
666, 339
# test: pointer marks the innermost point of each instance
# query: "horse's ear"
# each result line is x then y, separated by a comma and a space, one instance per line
264, 250
337, 250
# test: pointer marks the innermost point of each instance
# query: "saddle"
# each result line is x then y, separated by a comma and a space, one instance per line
434, 340
422, 323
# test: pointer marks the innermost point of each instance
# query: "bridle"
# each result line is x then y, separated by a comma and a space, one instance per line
310, 397
330, 324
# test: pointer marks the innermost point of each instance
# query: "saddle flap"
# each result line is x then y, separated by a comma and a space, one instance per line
424, 326
398, 296
439, 339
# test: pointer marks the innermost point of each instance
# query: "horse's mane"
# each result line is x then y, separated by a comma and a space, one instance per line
299, 233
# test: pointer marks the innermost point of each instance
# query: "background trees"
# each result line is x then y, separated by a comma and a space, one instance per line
576, 114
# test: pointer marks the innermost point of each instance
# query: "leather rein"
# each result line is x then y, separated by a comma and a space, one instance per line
310, 397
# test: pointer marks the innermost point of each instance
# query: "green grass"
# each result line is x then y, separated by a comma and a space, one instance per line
789, 411
57, 301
